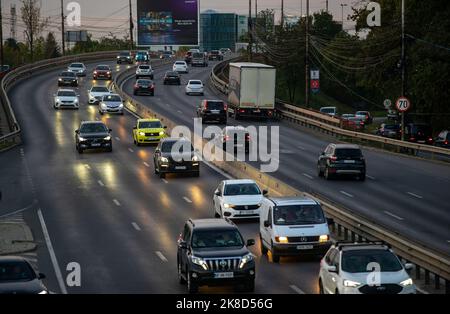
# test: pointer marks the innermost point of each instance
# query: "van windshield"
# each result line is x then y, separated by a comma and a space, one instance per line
298, 215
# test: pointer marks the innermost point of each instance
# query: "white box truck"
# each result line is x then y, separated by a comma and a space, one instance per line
251, 90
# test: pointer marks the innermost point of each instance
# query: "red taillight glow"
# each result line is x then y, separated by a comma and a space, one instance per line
412, 138
446, 142
225, 107
242, 111
95, 72
333, 158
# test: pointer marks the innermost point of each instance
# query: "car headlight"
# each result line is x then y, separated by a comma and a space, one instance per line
142, 133
118, 57
324, 238
351, 283
81, 139
407, 282
246, 259
60, 79
121, 106
43, 292
164, 159
200, 262
103, 105
58, 100
195, 158
281, 239
108, 138
161, 133
228, 205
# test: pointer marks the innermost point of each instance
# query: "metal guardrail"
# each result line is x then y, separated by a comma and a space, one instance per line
13, 138
331, 125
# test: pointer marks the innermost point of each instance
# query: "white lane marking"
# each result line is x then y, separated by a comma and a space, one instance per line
308, 176
370, 177
116, 202
58, 273
393, 215
100, 183
179, 111
117, 138
297, 289
135, 226
301, 147
346, 194
87, 166
165, 181
146, 164
161, 256
421, 290
415, 195
31, 259
168, 105
130, 150
448, 241
97, 119
187, 199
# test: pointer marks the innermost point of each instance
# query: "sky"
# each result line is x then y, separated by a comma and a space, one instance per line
104, 16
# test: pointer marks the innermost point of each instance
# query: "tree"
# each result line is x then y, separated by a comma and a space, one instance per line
34, 25
51, 48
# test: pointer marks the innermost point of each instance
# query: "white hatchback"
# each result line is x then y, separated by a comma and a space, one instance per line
65, 98
194, 87
180, 67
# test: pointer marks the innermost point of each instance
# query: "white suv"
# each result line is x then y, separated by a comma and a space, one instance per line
364, 268
66, 98
237, 199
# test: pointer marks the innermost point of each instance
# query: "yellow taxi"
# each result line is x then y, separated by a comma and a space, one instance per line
148, 131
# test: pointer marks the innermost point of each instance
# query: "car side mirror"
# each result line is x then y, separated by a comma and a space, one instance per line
330, 221
135, 128
41, 276
250, 242
265, 192
322, 154
157, 151
110, 130
331, 269
183, 245
77, 131
409, 266
217, 193
266, 224
165, 127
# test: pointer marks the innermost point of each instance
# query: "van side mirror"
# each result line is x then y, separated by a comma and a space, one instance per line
77, 131
330, 221
409, 266
41, 276
265, 192
266, 224
110, 130
250, 242
165, 127
322, 154
217, 193
331, 269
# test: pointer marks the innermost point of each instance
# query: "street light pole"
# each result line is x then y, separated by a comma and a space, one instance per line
63, 41
250, 28
307, 56
2, 58
131, 26
403, 61
342, 12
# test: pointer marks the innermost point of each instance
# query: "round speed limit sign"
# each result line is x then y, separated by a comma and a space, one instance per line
403, 104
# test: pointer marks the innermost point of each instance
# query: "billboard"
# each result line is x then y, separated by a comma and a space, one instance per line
168, 22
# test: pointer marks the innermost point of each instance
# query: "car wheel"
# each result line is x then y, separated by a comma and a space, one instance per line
181, 280
156, 170
109, 150
223, 122
80, 150
327, 174
362, 177
236, 115
320, 287
152, 94
319, 171
192, 287
264, 250
162, 175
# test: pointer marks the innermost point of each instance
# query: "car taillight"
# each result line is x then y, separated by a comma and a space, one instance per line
446, 142
412, 138
242, 110
430, 139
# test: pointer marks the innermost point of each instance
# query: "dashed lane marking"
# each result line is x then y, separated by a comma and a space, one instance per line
393, 215
116, 202
414, 195
346, 194
135, 226
296, 289
187, 199
100, 183
308, 176
161, 256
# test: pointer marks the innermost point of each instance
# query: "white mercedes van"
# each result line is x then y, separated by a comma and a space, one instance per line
293, 226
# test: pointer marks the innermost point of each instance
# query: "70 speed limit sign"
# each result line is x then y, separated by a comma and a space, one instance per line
403, 104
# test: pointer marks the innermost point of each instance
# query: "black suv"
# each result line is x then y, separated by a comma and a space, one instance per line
212, 110
67, 78
169, 158
124, 57
92, 135
172, 77
212, 252
342, 159
215, 55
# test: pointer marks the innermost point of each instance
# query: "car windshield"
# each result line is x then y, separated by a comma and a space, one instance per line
93, 128
144, 67
125, 54
68, 74
216, 238
103, 68
166, 147
144, 82
100, 89
16, 271
241, 189
114, 98
215, 105
76, 65
298, 215
150, 125
197, 55
179, 63
66, 93
362, 113
357, 261
327, 110
195, 83
348, 153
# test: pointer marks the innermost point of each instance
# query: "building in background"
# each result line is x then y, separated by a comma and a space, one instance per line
291, 20
217, 30
241, 26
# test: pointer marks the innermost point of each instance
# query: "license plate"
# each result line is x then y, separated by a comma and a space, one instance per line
144, 86
180, 168
248, 212
215, 111
152, 139
96, 145
224, 275
304, 247
349, 161
421, 142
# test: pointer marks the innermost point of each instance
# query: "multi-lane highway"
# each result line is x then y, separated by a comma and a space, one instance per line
108, 211
405, 194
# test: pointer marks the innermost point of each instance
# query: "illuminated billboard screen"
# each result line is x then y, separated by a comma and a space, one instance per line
168, 22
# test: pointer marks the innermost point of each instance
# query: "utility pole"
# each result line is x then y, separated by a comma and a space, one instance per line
256, 24
301, 9
327, 6
307, 56
403, 65
131, 26
250, 29
63, 41
282, 14
342, 12
2, 58
13, 22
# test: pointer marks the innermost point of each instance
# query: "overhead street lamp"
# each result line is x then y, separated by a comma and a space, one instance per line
342, 10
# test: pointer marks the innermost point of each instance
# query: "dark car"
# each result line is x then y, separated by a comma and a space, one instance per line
367, 117
342, 159
67, 78
389, 130
236, 137
215, 55
93, 135
212, 110
144, 87
188, 57
172, 77
125, 57
4, 69
443, 139
175, 155
418, 133
102, 72
355, 123
212, 252
17, 276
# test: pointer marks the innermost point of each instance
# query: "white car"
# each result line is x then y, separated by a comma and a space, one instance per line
238, 199
78, 68
293, 226
180, 67
194, 87
331, 111
65, 98
111, 104
364, 268
144, 70
96, 94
